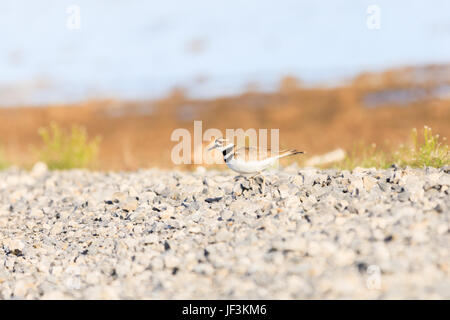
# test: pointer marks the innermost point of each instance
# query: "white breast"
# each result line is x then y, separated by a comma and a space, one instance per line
246, 167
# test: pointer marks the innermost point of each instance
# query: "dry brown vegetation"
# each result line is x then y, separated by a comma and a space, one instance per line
317, 120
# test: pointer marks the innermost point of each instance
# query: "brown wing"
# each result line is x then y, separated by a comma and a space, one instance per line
253, 153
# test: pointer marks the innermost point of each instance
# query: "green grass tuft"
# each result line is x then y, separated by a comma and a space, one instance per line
426, 150
67, 149
365, 157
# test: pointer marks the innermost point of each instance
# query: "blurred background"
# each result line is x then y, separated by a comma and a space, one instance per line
329, 74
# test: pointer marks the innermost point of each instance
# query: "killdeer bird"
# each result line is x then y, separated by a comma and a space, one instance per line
249, 160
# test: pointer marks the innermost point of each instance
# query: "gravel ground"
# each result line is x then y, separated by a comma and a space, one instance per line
158, 234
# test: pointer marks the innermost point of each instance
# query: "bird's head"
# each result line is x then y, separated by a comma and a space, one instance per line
218, 144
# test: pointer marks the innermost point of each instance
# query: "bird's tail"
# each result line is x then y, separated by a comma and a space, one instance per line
288, 153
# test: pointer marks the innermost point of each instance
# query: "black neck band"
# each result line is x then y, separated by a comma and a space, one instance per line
227, 151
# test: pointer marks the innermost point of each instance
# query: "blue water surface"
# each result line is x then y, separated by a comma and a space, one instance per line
138, 49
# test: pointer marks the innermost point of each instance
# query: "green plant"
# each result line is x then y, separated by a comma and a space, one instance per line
67, 149
427, 150
366, 157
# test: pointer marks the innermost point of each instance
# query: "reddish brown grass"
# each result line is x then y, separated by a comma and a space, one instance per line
312, 119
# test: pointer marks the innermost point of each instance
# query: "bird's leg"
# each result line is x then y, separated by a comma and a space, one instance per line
277, 179
252, 178
257, 174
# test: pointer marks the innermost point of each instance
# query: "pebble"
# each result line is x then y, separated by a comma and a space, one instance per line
130, 205
39, 169
308, 234
369, 182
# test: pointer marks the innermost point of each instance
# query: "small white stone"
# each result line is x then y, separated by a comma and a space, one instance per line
195, 229
14, 244
130, 205
167, 213
36, 213
171, 261
55, 295
119, 196
369, 182
39, 169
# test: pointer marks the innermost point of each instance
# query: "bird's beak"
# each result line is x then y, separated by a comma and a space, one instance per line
213, 147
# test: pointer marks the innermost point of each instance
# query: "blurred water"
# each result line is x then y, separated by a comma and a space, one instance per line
141, 49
